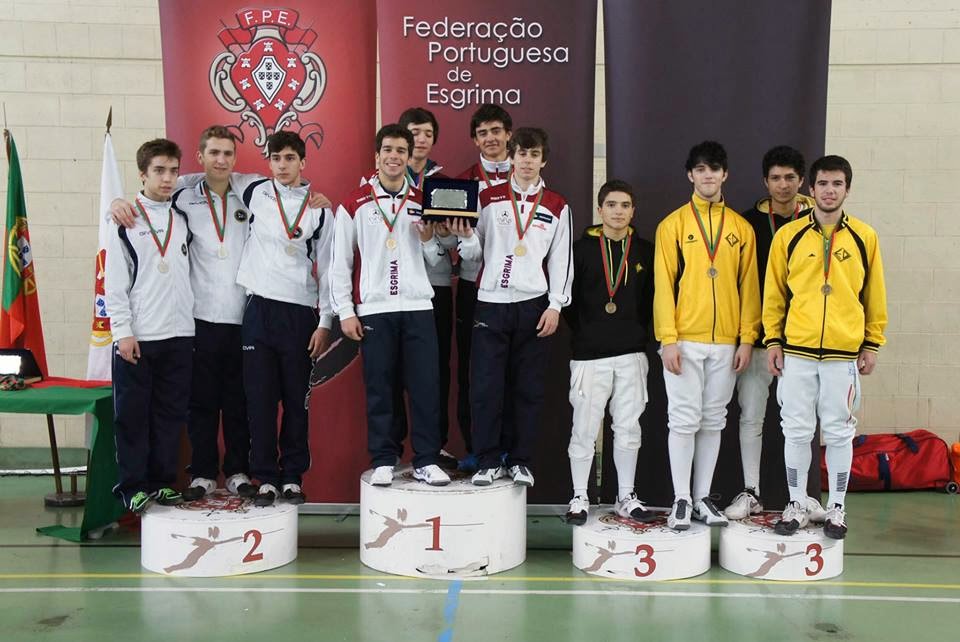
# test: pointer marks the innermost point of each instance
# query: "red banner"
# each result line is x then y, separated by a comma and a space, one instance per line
308, 67
536, 59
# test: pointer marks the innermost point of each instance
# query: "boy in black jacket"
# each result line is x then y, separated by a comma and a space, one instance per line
611, 309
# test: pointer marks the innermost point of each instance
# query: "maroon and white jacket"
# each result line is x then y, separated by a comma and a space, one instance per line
374, 270
546, 265
497, 173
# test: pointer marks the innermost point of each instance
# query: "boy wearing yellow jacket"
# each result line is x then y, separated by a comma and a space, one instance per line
825, 307
706, 316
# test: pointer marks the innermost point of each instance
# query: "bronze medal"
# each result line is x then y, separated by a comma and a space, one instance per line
826, 289
712, 272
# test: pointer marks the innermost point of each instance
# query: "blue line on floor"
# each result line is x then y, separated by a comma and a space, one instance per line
450, 610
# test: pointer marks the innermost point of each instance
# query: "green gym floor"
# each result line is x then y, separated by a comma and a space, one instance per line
901, 582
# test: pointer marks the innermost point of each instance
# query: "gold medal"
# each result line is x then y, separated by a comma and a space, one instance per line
222, 252
826, 289
610, 307
712, 272
163, 267
520, 250
291, 250
391, 243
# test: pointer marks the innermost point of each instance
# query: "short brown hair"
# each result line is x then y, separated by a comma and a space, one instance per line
216, 131
153, 148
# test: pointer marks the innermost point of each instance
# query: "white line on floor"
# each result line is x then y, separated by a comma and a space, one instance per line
443, 591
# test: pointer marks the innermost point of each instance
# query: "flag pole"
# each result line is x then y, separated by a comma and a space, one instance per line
109, 119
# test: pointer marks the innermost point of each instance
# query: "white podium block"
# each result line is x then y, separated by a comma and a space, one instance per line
750, 547
216, 536
444, 532
612, 546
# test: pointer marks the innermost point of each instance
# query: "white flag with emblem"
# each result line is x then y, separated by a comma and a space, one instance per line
101, 343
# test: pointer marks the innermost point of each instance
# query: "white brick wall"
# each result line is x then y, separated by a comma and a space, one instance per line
893, 105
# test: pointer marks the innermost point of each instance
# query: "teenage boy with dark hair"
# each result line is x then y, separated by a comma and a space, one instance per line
523, 239
783, 169
490, 129
150, 304
284, 272
610, 311
828, 315
706, 302
381, 292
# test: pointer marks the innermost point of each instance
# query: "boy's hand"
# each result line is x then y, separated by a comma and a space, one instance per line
123, 213
548, 323
741, 358
352, 328
775, 361
426, 231
318, 201
461, 227
129, 349
670, 355
319, 342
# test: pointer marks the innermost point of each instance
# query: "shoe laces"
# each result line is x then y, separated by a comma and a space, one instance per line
680, 509
837, 515
708, 505
794, 510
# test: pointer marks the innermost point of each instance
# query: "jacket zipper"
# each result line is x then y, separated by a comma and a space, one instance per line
713, 282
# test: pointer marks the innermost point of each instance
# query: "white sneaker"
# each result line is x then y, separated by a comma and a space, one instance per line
239, 484
486, 476
382, 476
432, 474
577, 511
633, 508
521, 475
744, 505
294, 494
679, 519
198, 488
704, 511
266, 495
835, 524
815, 511
793, 519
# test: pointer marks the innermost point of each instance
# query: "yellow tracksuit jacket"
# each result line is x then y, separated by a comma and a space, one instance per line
804, 321
690, 306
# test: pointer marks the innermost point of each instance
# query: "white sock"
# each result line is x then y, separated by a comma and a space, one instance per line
580, 474
751, 447
680, 448
797, 458
704, 462
839, 459
626, 463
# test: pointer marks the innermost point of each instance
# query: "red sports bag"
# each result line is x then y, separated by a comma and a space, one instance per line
909, 461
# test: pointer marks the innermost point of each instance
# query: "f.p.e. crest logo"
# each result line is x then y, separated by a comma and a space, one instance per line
268, 74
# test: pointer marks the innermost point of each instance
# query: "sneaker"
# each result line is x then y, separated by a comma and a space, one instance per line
239, 484
432, 474
446, 460
577, 511
168, 497
679, 519
815, 511
835, 524
293, 494
469, 464
199, 487
744, 505
705, 511
266, 495
382, 476
521, 475
633, 508
139, 502
793, 519
485, 476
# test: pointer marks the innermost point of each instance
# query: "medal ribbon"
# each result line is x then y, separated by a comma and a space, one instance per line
387, 220
773, 226
486, 177
827, 252
607, 253
712, 245
290, 228
221, 228
516, 211
416, 179
156, 239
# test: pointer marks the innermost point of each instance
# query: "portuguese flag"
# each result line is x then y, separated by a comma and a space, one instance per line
20, 325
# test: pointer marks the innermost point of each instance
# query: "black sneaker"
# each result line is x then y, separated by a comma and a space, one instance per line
168, 497
294, 494
835, 525
139, 502
447, 461
793, 519
577, 511
266, 495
